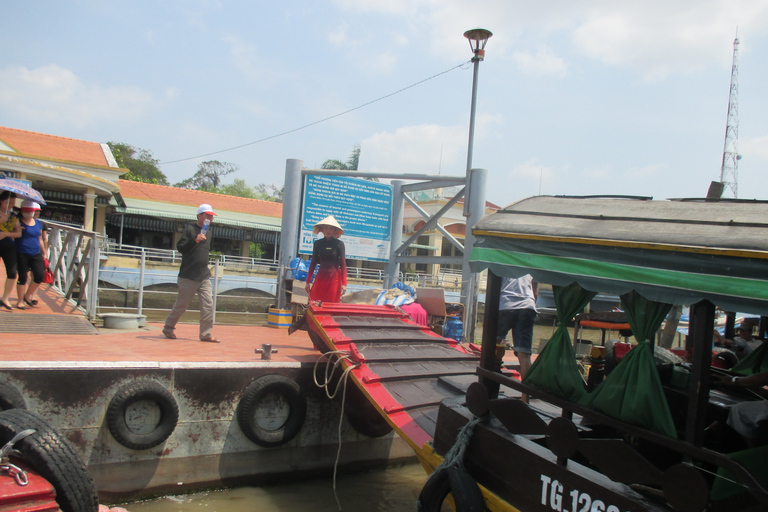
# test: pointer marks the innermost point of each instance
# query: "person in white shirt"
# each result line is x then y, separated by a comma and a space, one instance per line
517, 311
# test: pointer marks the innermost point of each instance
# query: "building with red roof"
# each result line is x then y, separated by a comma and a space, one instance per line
80, 182
77, 178
153, 216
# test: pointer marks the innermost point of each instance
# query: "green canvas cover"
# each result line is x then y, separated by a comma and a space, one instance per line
726, 485
632, 392
755, 362
555, 370
644, 316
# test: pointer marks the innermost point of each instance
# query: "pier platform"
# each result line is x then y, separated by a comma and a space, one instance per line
231, 403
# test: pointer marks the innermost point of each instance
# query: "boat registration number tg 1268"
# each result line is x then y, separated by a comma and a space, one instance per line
552, 496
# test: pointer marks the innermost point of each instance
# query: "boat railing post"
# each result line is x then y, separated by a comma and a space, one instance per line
93, 276
142, 267
215, 288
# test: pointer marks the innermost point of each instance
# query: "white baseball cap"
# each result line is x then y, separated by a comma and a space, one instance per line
29, 205
205, 208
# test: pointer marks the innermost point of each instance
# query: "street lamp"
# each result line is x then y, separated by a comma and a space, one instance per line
478, 38
474, 196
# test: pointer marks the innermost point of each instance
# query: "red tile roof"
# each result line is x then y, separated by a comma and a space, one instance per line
52, 147
163, 194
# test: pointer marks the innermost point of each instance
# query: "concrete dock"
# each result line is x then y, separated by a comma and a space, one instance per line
71, 374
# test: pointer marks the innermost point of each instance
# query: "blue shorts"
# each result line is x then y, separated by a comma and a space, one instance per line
521, 322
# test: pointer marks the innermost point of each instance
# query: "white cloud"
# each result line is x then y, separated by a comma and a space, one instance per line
646, 171
653, 39
340, 35
54, 94
531, 169
543, 63
658, 38
427, 148
754, 148
247, 59
384, 63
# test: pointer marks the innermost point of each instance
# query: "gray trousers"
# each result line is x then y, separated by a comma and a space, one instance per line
187, 290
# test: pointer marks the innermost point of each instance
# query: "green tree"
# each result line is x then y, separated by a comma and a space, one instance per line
238, 188
349, 165
208, 176
269, 192
141, 165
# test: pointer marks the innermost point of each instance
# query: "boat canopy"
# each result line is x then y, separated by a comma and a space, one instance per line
672, 251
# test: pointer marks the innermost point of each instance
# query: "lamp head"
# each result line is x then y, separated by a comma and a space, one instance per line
478, 37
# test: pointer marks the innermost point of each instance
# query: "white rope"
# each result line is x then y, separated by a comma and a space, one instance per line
330, 370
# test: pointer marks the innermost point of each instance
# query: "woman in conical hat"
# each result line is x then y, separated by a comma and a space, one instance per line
329, 254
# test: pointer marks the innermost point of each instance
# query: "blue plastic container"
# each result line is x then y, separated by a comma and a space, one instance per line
453, 328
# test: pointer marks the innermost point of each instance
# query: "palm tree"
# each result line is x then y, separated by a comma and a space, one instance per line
349, 165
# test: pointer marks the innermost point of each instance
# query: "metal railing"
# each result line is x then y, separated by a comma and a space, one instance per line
173, 257
135, 296
74, 256
446, 277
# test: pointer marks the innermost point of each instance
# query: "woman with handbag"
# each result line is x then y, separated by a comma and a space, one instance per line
29, 253
9, 229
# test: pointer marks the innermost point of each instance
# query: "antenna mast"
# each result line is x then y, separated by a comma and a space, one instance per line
729, 171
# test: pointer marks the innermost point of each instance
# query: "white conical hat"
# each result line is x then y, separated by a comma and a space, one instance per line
328, 221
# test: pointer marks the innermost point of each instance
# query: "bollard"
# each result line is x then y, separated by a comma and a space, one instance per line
266, 351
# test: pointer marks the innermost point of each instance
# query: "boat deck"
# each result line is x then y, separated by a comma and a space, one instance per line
403, 368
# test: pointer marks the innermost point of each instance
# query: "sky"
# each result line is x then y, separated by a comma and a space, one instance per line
573, 97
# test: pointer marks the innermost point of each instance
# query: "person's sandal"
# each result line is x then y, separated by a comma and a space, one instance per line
168, 333
210, 339
6, 305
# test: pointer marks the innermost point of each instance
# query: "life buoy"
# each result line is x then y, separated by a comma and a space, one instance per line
53, 457
10, 397
362, 415
142, 415
272, 410
456, 481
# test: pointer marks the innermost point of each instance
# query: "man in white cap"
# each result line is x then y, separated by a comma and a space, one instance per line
194, 275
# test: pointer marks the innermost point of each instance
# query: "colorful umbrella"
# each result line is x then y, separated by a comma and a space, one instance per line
21, 190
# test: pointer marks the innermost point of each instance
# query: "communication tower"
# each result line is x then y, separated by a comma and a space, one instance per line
729, 171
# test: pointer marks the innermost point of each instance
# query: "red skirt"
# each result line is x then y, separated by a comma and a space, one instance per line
327, 286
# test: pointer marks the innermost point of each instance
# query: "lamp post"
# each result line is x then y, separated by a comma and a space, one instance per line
478, 38
474, 196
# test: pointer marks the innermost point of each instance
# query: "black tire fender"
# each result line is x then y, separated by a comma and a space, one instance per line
53, 457
456, 481
275, 394
10, 397
362, 414
120, 409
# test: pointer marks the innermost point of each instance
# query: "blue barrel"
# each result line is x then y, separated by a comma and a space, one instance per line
453, 328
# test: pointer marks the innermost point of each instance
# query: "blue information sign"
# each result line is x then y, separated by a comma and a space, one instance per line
362, 207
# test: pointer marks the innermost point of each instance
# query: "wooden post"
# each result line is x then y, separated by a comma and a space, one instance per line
700, 327
490, 326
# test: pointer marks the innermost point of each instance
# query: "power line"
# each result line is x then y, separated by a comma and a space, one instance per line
321, 120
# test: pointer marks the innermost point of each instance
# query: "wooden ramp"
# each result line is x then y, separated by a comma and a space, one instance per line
403, 368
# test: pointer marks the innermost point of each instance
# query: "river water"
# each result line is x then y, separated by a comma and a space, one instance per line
392, 490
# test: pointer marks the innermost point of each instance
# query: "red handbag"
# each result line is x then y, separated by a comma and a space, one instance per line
48, 277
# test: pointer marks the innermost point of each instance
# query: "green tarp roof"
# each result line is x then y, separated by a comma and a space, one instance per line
671, 251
